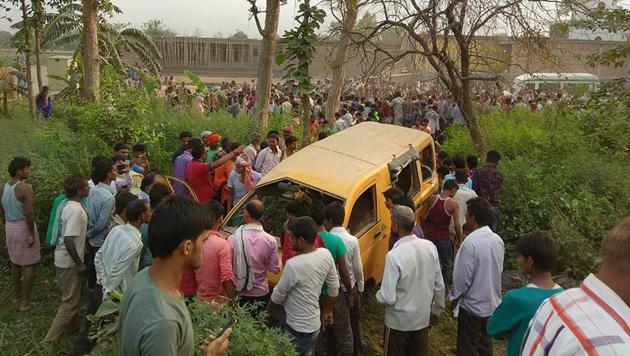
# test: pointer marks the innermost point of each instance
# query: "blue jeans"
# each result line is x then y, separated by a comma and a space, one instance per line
445, 254
304, 342
494, 220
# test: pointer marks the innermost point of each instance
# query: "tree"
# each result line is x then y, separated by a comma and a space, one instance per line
298, 55
239, 34
7, 88
38, 27
264, 73
349, 10
197, 32
445, 34
91, 76
157, 28
26, 49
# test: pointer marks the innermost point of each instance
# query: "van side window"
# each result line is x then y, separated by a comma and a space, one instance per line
427, 162
408, 179
363, 213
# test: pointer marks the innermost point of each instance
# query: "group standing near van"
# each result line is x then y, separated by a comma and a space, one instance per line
423, 226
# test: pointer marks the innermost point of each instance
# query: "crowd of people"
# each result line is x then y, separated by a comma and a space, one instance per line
131, 230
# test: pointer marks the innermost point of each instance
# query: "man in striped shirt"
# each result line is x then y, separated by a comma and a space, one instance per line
593, 319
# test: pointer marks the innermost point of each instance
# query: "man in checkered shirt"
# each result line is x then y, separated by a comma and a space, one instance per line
593, 319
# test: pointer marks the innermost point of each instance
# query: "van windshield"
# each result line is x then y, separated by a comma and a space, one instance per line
276, 196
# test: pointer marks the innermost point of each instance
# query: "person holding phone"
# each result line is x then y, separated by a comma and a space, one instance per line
154, 319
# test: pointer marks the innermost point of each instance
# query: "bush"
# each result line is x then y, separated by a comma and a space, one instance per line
556, 177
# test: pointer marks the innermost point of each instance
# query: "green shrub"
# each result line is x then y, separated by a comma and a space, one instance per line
556, 177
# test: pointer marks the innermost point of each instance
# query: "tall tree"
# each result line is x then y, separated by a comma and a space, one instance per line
157, 28
91, 75
349, 10
264, 75
448, 35
26, 49
298, 55
239, 34
38, 27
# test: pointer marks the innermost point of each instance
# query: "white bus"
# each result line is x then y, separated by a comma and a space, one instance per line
556, 81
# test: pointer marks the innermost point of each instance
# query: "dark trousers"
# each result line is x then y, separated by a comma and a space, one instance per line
89, 265
472, 338
494, 220
445, 254
355, 323
406, 343
339, 335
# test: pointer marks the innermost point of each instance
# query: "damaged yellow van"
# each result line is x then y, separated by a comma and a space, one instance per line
355, 167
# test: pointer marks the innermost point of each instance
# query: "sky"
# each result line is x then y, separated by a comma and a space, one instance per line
209, 16
184, 16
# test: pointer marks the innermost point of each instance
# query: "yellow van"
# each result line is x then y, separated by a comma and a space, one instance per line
355, 167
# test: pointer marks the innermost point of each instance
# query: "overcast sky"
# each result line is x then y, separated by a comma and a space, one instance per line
209, 16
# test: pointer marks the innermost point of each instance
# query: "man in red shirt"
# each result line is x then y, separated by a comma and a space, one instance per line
198, 172
295, 209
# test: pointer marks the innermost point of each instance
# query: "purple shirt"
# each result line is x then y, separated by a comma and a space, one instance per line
179, 171
263, 257
487, 183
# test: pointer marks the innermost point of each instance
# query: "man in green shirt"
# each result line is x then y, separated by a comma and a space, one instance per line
537, 254
154, 319
339, 336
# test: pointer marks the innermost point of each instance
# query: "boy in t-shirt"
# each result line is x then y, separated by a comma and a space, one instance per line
300, 286
69, 256
537, 254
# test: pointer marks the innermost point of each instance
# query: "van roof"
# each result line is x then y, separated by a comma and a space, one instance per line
340, 160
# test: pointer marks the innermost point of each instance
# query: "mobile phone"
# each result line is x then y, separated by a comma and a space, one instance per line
227, 325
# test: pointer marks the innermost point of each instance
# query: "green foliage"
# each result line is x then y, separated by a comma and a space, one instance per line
300, 46
157, 28
616, 20
557, 176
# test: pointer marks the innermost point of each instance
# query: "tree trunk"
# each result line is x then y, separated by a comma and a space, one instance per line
27, 54
5, 105
306, 120
465, 105
339, 62
264, 76
38, 13
90, 51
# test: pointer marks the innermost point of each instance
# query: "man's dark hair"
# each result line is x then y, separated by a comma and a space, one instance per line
96, 159
18, 163
255, 209
193, 142
101, 170
274, 136
273, 132
405, 201
174, 220
226, 142
303, 227
122, 200
157, 193
298, 208
120, 146
459, 162
450, 185
139, 147
317, 211
443, 170
215, 211
335, 213
540, 246
184, 134
135, 208
73, 184
289, 140
197, 150
493, 157
480, 209
393, 194
147, 180
461, 176
472, 161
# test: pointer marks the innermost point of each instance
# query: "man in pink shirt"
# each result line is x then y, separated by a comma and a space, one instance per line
254, 253
215, 280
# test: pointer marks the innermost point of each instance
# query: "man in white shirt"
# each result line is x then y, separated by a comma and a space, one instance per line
254, 146
477, 280
462, 195
269, 157
412, 289
594, 318
69, 256
300, 286
334, 217
117, 261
